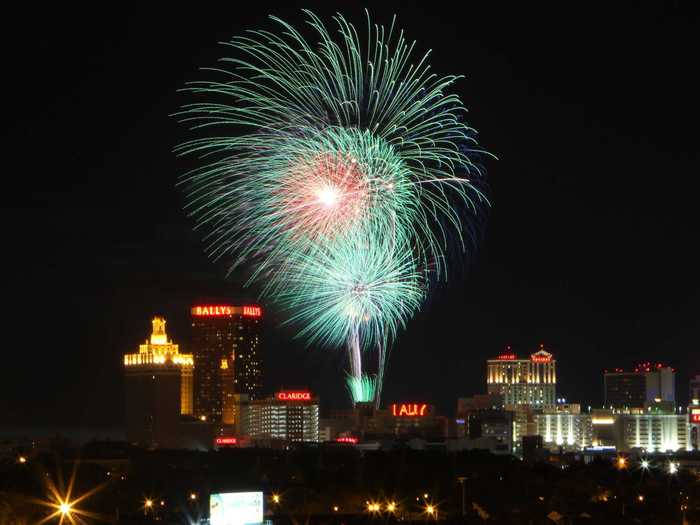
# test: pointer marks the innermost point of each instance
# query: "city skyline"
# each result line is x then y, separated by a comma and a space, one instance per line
582, 251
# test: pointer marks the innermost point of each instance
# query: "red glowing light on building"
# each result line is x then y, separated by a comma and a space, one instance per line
347, 439
409, 409
212, 311
226, 441
223, 310
695, 418
293, 396
507, 357
252, 311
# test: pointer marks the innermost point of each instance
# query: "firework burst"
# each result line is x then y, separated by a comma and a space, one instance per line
348, 174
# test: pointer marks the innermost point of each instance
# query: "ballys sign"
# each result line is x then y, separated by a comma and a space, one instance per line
409, 409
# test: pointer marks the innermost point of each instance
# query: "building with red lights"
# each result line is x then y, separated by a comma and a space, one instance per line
523, 381
635, 389
403, 421
226, 347
290, 416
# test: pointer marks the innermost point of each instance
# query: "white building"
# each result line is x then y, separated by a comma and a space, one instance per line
291, 416
653, 432
567, 430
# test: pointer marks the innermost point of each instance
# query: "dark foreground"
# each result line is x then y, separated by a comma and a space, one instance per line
338, 485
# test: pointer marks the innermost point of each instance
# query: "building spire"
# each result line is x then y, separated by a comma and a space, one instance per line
158, 336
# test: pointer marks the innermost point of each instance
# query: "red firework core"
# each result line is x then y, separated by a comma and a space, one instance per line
324, 195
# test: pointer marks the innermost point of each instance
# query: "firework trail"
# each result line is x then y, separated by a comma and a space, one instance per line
339, 173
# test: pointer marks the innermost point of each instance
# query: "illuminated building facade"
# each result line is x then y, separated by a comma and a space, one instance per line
288, 416
570, 431
231, 334
653, 432
158, 389
531, 381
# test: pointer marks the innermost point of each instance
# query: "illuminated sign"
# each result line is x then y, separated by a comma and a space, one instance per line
226, 441
225, 311
541, 357
293, 396
602, 420
252, 311
695, 418
236, 508
409, 409
507, 357
212, 311
350, 440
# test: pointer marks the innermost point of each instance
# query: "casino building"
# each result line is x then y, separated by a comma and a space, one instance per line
523, 381
288, 416
158, 390
227, 356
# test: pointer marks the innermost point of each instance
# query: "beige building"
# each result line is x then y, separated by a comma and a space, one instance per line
527, 381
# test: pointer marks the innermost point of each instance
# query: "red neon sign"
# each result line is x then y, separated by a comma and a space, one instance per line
226, 441
252, 311
212, 311
293, 396
409, 409
224, 310
695, 418
507, 357
351, 440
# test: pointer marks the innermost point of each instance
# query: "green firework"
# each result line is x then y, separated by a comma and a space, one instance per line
338, 172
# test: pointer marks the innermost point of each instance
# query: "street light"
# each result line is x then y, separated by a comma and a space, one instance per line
672, 467
64, 508
645, 464
275, 498
621, 462
391, 507
193, 496
640, 498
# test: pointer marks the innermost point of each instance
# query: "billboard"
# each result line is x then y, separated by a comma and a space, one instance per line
236, 508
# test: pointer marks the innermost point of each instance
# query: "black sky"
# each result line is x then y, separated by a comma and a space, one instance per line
590, 247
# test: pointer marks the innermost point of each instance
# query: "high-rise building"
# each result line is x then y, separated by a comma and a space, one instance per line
624, 390
528, 381
158, 389
694, 390
289, 416
644, 385
231, 334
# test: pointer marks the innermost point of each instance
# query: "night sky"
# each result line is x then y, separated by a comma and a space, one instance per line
591, 246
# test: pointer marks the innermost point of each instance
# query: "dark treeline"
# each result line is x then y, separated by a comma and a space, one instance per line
333, 484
